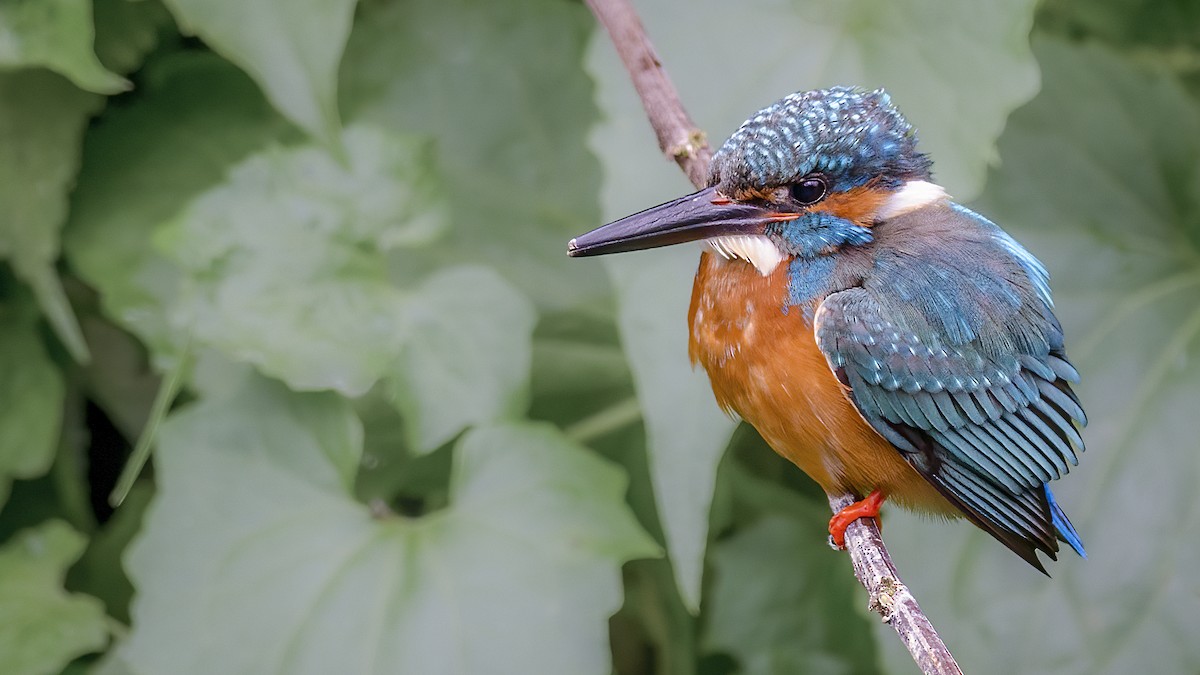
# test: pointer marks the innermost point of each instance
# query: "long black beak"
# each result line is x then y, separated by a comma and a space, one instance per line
699, 215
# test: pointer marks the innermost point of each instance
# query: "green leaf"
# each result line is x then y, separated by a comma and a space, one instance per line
42, 118
779, 601
686, 433
579, 354
466, 357
56, 34
254, 558
784, 603
929, 56
42, 627
99, 572
120, 379
196, 117
1108, 198
501, 88
290, 47
685, 430
126, 30
285, 262
1169, 27
111, 664
31, 399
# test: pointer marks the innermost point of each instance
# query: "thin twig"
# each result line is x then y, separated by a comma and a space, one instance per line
890, 598
679, 138
678, 135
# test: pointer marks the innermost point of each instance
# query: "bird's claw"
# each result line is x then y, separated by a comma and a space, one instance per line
863, 508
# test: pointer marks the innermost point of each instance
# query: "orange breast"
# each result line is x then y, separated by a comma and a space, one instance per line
764, 364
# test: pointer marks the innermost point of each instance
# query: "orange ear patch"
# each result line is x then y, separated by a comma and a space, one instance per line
858, 205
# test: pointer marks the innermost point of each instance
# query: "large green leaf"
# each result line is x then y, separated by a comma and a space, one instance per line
285, 262
99, 572
255, 559
41, 626
31, 398
466, 355
56, 34
42, 118
501, 88
686, 433
120, 379
290, 47
1100, 180
1162, 34
196, 117
126, 30
928, 54
779, 601
782, 603
1167, 29
685, 430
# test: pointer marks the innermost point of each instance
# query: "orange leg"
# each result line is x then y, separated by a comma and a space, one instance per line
864, 508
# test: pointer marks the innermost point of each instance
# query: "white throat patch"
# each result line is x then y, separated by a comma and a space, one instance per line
913, 195
755, 249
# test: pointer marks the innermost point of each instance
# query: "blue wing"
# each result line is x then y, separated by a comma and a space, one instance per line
952, 353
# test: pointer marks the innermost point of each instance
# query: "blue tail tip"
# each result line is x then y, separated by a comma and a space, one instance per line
1062, 525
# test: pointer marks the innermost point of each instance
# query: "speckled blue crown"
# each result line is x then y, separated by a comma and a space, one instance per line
848, 134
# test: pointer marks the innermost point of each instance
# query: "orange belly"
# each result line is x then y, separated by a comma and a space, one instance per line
765, 365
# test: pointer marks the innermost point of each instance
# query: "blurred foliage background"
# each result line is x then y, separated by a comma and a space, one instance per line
315, 252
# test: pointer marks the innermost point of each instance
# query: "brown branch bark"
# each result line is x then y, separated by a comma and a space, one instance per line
679, 138
890, 598
678, 135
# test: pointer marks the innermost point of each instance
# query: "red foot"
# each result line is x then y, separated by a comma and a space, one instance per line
865, 508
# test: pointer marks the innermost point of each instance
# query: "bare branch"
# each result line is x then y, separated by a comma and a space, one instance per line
678, 135
679, 138
890, 598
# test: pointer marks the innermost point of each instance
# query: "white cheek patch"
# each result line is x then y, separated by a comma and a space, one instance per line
755, 249
913, 195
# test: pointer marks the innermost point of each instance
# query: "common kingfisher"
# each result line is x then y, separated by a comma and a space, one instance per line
888, 341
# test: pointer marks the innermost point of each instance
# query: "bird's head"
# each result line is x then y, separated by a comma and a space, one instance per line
804, 177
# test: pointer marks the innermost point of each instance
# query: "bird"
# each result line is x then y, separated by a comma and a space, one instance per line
890, 342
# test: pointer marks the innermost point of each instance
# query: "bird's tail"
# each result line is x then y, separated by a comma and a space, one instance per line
1062, 525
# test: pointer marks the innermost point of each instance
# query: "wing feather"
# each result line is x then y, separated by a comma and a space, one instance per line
987, 430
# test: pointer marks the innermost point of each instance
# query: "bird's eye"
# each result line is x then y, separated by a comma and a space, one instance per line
809, 190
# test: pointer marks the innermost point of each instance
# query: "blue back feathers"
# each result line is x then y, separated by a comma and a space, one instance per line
949, 346
955, 277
